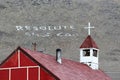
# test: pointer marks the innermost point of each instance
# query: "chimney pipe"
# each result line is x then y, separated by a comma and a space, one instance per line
34, 46
58, 56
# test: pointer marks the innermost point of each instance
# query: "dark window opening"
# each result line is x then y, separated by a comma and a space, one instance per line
89, 63
95, 53
86, 52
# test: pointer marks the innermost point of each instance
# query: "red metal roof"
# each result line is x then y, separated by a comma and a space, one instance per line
68, 70
89, 43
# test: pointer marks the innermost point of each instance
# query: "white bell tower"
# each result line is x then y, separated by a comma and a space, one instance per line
89, 51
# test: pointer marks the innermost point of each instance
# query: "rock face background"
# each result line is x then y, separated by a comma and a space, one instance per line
60, 24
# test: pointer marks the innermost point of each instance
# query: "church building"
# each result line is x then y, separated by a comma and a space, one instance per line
25, 64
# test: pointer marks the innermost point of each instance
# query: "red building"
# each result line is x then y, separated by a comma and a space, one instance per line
24, 64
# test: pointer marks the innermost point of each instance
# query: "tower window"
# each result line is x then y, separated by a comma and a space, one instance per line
95, 53
86, 52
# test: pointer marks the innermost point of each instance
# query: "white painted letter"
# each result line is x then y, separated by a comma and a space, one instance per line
49, 28
35, 28
65, 27
60, 34
19, 28
57, 28
27, 28
42, 28
46, 35
72, 27
68, 34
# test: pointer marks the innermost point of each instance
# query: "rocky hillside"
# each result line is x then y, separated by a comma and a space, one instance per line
60, 24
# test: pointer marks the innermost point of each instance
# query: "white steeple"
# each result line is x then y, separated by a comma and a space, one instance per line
89, 52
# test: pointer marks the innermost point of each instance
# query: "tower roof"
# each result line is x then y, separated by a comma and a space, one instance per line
89, 43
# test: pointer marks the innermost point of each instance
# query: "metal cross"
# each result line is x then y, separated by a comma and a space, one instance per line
89, 27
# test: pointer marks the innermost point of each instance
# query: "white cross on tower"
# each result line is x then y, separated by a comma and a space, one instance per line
89, 27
